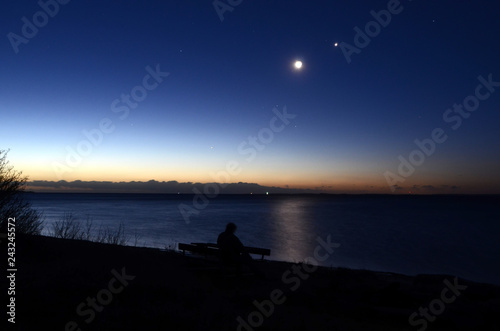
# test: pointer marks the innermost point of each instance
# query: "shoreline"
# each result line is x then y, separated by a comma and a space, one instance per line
318, 194
153, 289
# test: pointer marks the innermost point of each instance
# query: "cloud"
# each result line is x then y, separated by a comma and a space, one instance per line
153, 186
429, 187
452, 187
397, 187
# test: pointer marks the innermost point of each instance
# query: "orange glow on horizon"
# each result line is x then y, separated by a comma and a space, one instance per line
340, 182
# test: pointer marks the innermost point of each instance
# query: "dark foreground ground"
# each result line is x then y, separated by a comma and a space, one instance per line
71, 285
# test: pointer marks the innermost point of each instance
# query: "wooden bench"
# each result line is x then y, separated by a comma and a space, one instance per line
207, 249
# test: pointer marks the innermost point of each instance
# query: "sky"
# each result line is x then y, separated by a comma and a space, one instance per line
392, 96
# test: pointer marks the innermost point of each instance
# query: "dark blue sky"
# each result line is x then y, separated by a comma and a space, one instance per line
353, 120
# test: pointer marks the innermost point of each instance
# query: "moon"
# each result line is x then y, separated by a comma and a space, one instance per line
298, 65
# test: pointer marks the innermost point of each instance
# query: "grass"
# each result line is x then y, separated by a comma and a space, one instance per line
68, 227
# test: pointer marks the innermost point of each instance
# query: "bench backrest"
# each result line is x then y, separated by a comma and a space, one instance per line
251, 250
198, 249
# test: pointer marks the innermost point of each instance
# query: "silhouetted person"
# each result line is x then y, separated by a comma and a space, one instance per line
232, 251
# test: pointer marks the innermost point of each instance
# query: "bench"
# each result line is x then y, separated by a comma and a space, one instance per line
207, 249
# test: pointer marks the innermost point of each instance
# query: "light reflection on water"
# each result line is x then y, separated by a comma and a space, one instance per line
292, 229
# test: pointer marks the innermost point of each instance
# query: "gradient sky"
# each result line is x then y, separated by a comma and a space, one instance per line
353, 120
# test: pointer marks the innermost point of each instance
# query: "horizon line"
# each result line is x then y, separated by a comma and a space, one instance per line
214, 188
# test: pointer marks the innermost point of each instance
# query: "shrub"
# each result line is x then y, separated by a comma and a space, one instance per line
12, 202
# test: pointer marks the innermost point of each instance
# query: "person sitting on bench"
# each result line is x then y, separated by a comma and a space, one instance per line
232, 251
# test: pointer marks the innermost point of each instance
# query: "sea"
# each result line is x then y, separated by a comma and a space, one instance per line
455, 235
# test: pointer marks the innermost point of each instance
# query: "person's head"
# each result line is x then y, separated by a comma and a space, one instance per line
231, 227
